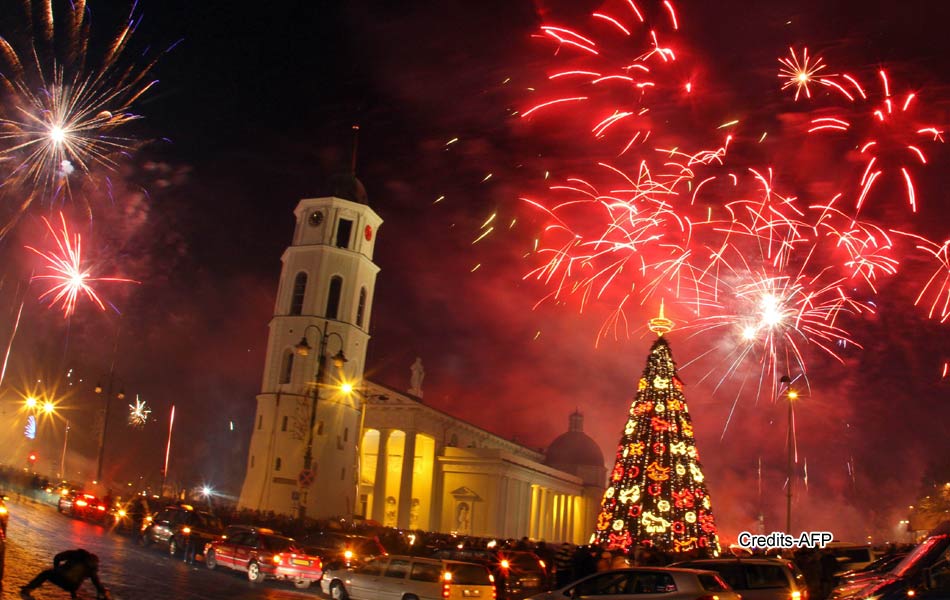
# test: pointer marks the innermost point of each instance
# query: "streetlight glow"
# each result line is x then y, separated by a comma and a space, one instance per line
31, 402
346, 388
49, 408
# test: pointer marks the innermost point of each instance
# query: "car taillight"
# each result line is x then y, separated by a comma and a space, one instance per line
186, 530
796, 595
318, 563
348, 554
543, 566
101, 507
446, 591
505, 564
277, 559
81, 503
708, 597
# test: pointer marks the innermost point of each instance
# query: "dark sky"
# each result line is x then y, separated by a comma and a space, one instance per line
253, 112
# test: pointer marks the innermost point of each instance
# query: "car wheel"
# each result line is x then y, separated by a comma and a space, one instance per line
210, 560
410, 597
172, 547
338, 592
302, 584
254, 573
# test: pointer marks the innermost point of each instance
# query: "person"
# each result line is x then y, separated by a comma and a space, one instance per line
70, 569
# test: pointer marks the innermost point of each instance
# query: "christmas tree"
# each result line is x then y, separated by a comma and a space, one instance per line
656, 496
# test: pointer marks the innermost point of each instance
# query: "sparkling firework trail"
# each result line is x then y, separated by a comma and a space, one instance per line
66, 271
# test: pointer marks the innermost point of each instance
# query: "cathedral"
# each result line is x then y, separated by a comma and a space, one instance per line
326, 443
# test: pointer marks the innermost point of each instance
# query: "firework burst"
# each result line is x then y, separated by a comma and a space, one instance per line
68, 274
61, 116
139, 413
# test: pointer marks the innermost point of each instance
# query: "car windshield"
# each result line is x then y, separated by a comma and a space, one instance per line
276, 543
208, 521
463, 574
523, 562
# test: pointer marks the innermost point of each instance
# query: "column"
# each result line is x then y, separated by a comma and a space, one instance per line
405, 482
570, 537
504, 508
379, 482
534, 511
557, 505
544, 515
435, 508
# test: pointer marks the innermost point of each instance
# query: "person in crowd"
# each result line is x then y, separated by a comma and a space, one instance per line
70, 569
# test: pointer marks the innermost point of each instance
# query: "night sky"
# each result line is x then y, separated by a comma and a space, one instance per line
254, 112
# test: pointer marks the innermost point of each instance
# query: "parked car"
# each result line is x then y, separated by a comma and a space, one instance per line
756, 578
401, 577
82, 505
262, 554
851, 556
850, 580
342, 550
923, 574
644, 583
182, 527
517, 574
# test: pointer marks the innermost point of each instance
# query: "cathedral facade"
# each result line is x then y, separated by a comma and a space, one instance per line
327, 443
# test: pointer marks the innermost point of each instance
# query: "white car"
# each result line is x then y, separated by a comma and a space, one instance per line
646, 583
410, 578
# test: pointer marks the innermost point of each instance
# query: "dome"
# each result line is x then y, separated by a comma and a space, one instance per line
574, 448
347, 187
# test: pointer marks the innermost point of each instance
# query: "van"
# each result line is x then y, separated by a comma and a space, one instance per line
410, 578
850, 557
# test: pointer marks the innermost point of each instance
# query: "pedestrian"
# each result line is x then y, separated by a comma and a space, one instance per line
563, 563
70, 569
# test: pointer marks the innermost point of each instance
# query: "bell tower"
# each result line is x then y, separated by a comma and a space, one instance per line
302, 456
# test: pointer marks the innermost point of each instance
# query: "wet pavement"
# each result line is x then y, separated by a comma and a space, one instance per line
37, 532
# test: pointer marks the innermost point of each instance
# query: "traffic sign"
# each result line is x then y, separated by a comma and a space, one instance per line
305, 478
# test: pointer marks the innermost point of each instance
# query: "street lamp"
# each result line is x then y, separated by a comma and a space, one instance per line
105, 417
790, 395
303, 348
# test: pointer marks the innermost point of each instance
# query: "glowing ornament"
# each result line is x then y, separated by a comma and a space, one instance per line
690, 517
706, 503
618, 525
629, 429
660, 407
658, 473
609, 493
663, 505
642, 385
661, 383
678, 448
680, 469
631, 494
696, 473
653, 523
687, 430
659, 424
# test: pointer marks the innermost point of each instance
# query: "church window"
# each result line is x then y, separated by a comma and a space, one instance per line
300, 288
333, 297
277, 464
342, 473
346, 434
252, 461
260, 421
361, 308
343, 231
320, 428
454, 441
283, 424
287, 367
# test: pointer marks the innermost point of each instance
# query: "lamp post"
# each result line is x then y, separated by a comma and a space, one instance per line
790, 396
303, 348
105, 417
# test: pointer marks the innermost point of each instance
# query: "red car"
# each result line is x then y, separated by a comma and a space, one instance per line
263, 554
81, 505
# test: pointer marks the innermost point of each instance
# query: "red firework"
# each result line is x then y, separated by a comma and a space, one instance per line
894, 137
69, 276
613, 70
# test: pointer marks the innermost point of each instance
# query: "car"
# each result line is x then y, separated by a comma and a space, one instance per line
4, 514
517, 574
850, 556
82, 505
756, 578
181, 528
850, 580
262, 554
341, 549
924, 573
642, 583
402, 577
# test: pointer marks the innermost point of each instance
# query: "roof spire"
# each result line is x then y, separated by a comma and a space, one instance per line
356, 139
660, 325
